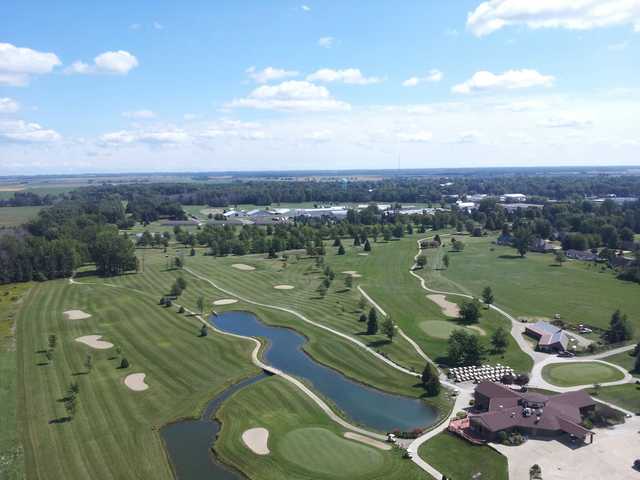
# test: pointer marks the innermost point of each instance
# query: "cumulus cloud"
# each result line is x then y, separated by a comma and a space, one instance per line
139, 114
117, 63
269, 74
351, 76
509, 80
421, 136
306, 8
24, 132
326, 42
494, 15
18, 64
8, 105
433, 76
292, 95
152, 137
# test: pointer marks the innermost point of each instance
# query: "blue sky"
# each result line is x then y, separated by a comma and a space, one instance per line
254, 85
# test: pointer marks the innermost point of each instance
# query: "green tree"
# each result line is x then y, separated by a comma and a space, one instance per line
499, 340
204, 331
445, 261
560, 257
363, 317
487, 296
464, 349
200, 304
88, 363
372, 322
112, 253
124, 363
535, 472
470, 312
70, 406
521, 240
389, 328
430, 380
348, 281
362, 303
53, 340
341, 250
322, 289
636, 366
421, 261
620, 329
367, 246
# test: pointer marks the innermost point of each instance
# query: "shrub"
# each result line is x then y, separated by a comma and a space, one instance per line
124, 363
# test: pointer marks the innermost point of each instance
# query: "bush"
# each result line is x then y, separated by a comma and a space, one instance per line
461, 414
124, 363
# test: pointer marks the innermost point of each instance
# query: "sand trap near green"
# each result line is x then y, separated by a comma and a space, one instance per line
76, 315
225, 301
256, 440
450, 309
136, 382
284, 287
571, 374
441, 328
243, 267
94, 341
323, 453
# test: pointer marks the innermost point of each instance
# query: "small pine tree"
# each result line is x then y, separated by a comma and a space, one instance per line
204, 331
124, 363
362, 303
445, 261
363, 317
193, 252
430, 380
341, 250
372, 322
367, 246
348, 281
389, 328
487, 296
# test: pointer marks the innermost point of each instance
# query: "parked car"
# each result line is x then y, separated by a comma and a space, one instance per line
566, 354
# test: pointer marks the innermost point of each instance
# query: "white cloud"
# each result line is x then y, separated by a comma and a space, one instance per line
23, 132
326, 42
618, 47
17, 64
139, 114
8, 105
158, 26
319, 136
523, 106
493, 15
292, 95
469, 137
433, 76
351, 76
134, 26
118, 63
567, 120
306, 8
270, 73
509, 80
152, 137
420, 136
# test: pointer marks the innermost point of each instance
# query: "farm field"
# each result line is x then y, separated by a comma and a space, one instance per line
626, 396
570, 374
457, 458
534, 285
303, 443
14, 216
113, 433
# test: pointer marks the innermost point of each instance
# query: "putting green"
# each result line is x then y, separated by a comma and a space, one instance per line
323, 452
441, 328
571, 374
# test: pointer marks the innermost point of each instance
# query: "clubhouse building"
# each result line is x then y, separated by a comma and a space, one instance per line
550, 338
498, 408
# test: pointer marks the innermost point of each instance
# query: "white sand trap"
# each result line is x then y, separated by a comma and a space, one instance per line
256, 440
450, 309
478, 329
363, 254
94, 342
366, 440
349, 272
356, 275
76, 315
135, 382
225, 301
242, 266
284, 287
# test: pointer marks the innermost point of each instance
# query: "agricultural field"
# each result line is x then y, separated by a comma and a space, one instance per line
11, 301
534, 286
15, 216
457, 458
571, 374
303, 443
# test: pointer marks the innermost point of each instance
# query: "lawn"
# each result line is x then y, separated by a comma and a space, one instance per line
303, 442
626, 396
571, 374
624, 359
11, 461
534, 285
457, 458
114, 431
14, 216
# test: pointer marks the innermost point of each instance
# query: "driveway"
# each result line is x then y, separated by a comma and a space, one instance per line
610, 456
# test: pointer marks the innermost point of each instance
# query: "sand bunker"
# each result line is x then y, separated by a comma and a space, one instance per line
478, 329
76, 315
284, 287
256, 440
135, 382
450, 309
225, 301
94, 342
366, 440
242, 266
349, 272
363, 254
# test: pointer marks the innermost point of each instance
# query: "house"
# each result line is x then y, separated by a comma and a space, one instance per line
512, 207
513, 198
501, 409
541, 245
584, 255
550, 338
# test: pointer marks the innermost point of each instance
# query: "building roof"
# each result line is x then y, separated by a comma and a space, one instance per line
549, 334
509, 409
